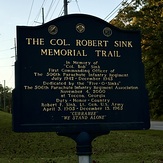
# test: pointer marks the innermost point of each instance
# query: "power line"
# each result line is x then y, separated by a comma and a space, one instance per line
78, 5
62, 9
124, 7
11, 77
61, 12
50, 7
54, 9
114, 10
37, 17
30, 11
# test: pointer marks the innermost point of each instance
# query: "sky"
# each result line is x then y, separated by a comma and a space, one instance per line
29, 13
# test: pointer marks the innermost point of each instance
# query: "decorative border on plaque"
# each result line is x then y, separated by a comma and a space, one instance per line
80, 27
52, 29
107, 32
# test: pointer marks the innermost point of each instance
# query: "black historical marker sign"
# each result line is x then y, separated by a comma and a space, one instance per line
79, 73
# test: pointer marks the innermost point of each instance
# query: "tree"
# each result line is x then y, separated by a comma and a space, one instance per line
147, 16
5, 98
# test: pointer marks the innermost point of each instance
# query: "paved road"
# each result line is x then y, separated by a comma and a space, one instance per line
156, 125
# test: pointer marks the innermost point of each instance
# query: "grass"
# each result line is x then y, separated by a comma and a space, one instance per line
116, 147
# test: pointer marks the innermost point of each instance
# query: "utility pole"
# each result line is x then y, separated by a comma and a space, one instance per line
43, 16
4, 96
15, 48
65, 7
43, 19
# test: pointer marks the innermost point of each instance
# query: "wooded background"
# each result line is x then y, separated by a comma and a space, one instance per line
146, 16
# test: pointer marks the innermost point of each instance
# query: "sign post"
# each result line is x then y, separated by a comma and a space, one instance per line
84, 159
81, 77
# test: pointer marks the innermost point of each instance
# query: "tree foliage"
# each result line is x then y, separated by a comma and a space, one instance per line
147, 16
5, 98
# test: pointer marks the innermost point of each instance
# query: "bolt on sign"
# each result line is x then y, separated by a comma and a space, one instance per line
79, 73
